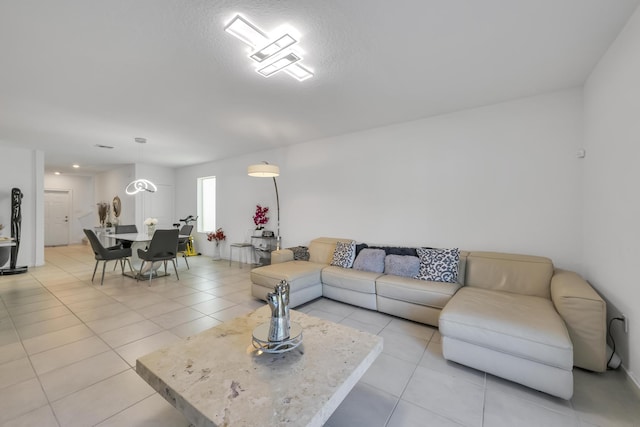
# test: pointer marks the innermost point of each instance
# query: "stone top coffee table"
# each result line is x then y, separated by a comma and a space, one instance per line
217, 378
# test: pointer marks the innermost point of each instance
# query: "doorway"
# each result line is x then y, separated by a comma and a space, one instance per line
56, 217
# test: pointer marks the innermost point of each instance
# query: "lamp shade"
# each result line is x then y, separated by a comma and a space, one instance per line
264, 170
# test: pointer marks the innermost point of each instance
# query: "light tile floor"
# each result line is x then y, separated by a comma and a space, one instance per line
68, 349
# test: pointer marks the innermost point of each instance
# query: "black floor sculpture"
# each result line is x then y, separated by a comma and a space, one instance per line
16, 226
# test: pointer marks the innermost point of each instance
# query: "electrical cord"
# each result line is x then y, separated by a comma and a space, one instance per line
613, 343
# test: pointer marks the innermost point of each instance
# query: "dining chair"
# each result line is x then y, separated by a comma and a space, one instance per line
184, 241
112, 253
122, 229
163, 247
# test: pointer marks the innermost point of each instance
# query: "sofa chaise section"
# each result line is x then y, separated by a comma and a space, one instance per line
519, 318
304, 277
517, 337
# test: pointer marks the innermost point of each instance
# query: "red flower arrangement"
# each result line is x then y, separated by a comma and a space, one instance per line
217, 236
260, 218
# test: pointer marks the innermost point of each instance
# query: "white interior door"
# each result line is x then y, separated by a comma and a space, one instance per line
56, 217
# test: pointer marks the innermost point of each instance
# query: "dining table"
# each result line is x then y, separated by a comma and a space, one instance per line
140, 241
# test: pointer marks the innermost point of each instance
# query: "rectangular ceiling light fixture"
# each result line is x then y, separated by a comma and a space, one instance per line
278, 65
246, 31
299, 72
273, 48
272, 53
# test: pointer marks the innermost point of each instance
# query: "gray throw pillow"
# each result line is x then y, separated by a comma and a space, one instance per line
370, 260
402, 265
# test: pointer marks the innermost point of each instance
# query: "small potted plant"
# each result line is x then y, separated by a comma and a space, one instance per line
260, 218
216, 236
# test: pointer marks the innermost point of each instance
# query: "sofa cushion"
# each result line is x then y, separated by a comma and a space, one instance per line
344, 254
524, 326
321, 249
299, 274
397, 250
421, 292
348, 278
521, 274
402, 265
370, 260
438, 265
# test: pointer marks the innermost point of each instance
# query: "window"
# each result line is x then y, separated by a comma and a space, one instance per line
206, 204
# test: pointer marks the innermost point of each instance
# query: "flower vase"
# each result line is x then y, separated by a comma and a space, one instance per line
150, 230
216, 252
257, 233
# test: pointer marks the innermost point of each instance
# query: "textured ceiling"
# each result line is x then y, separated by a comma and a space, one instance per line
75, 73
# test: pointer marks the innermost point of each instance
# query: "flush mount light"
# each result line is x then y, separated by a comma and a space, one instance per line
246, 31
272, 53
76, 166
299, 72
273, 48
279, 64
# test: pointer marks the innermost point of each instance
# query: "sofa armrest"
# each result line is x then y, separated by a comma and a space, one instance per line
585, 314
281, 255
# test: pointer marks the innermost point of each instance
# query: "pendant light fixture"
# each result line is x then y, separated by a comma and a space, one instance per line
141, 184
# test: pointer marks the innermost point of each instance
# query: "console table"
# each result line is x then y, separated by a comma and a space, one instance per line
263, 246
217, 378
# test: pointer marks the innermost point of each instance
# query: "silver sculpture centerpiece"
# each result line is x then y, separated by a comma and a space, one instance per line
279, 334
280, 325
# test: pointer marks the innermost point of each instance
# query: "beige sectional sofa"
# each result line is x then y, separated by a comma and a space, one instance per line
514, 316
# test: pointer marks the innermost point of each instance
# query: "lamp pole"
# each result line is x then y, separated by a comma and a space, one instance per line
275, 184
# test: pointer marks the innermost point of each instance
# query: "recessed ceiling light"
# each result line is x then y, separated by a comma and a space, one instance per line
278, 53
104, 146
76, 166
56, 173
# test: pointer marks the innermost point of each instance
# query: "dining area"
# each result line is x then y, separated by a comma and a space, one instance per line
139, 255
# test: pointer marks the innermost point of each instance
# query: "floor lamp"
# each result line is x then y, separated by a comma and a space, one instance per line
265, 170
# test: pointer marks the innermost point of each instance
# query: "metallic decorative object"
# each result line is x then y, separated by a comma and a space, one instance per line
279, 334
280, 326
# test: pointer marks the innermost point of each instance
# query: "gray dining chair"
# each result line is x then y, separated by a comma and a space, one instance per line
121, 229
183, 241
163, 247
112, 253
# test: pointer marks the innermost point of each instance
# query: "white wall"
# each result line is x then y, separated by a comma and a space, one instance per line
161, 204
110, 184
503, 177
24, 169
611, 178
83, 209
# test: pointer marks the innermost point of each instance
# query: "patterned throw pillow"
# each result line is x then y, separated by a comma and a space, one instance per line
344, 254
438, 265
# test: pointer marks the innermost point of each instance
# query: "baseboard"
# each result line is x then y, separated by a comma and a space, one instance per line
634, 381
